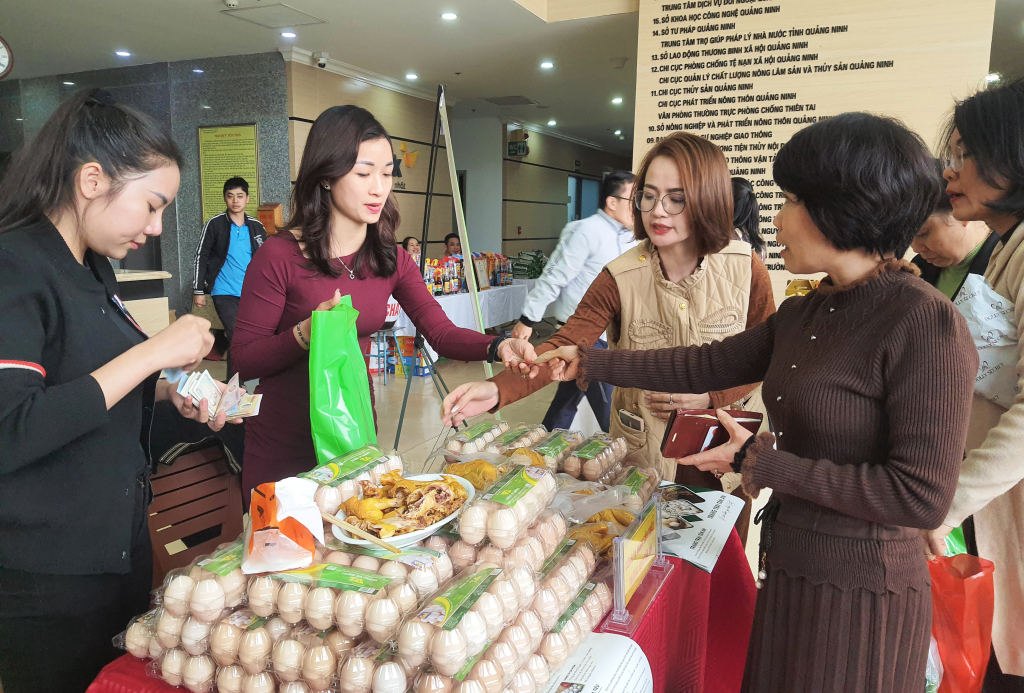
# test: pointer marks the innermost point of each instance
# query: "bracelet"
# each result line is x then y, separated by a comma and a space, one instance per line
302, 339
492, 350
737, 460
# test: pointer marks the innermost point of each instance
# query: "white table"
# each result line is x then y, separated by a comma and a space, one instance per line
498, 305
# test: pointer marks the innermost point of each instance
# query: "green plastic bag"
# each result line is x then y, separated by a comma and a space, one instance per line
340, 412
955, 542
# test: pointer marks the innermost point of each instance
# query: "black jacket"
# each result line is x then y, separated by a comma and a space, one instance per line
70, 469
930, 273
212, 250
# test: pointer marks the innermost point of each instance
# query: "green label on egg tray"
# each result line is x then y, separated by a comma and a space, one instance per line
337, 577
634, 480
347, 467
416, 556
557, 556
590, 450
510, 437
387, 652
514, 484
447, 609
554, 446
224, 561
573, 607
476, 431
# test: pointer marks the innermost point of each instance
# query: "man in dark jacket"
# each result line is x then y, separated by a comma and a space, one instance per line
226, 247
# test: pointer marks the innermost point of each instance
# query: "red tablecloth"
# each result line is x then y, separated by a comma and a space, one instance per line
694, 634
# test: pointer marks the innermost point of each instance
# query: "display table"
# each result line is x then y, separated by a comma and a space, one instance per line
694, 634
498, 306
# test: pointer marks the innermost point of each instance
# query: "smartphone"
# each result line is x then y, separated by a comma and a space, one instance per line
631, 420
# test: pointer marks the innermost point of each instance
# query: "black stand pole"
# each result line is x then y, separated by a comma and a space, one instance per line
419, 349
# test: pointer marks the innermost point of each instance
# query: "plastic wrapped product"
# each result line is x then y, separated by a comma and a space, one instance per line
554, 649
522, 435
518, 638
229, 679
254, 650
594, 457
262, 682
507, 659
175, 594
195, 636
523, 682
488, 674
476, 438
262, 593
168, 628
318, 607
508, 508
287, 659
318, 664
198, 673
140, 634
642, 484
355, 675
389, 677
538, 666
557, 446
290, 601
382, 617
171, 666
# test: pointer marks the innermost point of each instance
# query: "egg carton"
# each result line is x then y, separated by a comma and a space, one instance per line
595, 457
574, 625
642, 484
531, 549
557, 446
505, 512
206, 587
519, 436
476, 437
340, 478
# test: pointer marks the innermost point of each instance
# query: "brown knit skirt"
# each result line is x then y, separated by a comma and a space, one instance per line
811, 638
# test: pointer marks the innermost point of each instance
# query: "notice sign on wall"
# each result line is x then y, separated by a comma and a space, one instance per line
747, 74
226, 152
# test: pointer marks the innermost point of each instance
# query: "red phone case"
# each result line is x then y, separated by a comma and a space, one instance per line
691, 431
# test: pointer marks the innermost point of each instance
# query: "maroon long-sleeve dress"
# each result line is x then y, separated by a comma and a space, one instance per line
279, 292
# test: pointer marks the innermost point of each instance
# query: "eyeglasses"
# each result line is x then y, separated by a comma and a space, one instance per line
673, 203
957, 156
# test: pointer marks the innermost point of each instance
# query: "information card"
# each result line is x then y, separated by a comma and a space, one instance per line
696, 523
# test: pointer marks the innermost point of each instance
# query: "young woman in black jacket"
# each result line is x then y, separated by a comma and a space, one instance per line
78, 379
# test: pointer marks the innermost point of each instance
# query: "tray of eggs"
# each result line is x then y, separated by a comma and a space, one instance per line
505, 524
476, 438
596, 459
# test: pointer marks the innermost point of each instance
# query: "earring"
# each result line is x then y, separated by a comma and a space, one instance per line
327, 186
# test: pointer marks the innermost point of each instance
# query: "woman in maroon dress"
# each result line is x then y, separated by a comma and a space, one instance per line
340, 240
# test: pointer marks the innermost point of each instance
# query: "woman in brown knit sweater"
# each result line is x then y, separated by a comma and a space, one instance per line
868, 383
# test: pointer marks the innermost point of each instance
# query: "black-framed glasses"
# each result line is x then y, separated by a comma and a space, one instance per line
672, 203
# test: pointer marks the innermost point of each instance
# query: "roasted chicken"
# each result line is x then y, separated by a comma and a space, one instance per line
400, 505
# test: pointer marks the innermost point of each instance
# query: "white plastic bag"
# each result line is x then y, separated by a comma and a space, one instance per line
933, 669
990, 318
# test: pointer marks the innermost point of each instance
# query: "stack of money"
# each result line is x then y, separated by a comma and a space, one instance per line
234, 401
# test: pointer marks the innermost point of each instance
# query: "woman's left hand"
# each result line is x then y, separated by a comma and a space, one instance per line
197, 411
662, 404
935, 541
719, 460
517, 355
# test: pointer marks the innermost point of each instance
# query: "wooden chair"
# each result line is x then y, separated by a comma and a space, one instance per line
197, 504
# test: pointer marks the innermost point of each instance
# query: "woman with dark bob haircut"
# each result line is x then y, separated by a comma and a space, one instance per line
868, 384
340, 240
985, 180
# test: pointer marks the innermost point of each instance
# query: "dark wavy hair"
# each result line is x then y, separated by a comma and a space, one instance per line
867, 181
746, 214
330, 153
991, 126
86, 127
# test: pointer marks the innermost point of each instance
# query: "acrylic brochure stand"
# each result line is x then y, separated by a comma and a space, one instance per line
640, 570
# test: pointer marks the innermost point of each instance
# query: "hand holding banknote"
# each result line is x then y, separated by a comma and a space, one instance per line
199, 397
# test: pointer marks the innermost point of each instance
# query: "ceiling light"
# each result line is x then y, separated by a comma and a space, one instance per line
617, 99
547, 64
197, 71
123, 54
411, 75
19, 119
618, 132
288, 34
449, 16
552, 123
992, 77
205, 106
69, 84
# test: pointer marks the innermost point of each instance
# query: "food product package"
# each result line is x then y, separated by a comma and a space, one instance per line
477, 436
642, 484
580, 507
554, 448
595, 457
507, 509
520, 435
340, 413
339, 479
285, 520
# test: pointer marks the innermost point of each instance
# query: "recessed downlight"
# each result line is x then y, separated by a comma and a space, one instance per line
197, 71
552, 123
547, 64
449, 16
69, 84
617, 100
288, 34
618, 132
205, 106
411, 76
122, 54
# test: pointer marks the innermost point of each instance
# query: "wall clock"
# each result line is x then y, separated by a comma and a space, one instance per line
6, 58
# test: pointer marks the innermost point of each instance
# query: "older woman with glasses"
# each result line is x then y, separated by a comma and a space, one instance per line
686, 283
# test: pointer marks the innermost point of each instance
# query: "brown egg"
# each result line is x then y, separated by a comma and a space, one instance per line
254, 650
340, 643
368, 563
287, 659
229, 679
262, 682
517, 637
318, 665
448, 651
355, 675
290, 600
224, 640
462, 554
504, 656
318, 607
405, 596
488, 674
529, 620
171, 665
263, 595
554, 649
433, 683
349, 609
339, 558
395, 570
437, 543
523, 682
538, 666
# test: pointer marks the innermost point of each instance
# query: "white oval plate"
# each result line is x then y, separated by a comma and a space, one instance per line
402, 540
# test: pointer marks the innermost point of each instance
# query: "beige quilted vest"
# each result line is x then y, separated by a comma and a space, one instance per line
708, 306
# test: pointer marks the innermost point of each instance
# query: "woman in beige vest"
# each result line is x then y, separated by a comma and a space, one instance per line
686, 283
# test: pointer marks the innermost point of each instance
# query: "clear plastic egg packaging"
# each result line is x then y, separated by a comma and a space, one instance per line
476, 437
642, 484
557, 446
339, 479
561, 579
595, 457
207, 587
508, 508
518, 436
586, 611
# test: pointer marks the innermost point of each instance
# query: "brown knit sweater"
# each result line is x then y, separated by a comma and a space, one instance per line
869, 391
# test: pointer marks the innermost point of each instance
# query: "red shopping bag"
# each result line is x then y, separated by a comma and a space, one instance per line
962, 605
